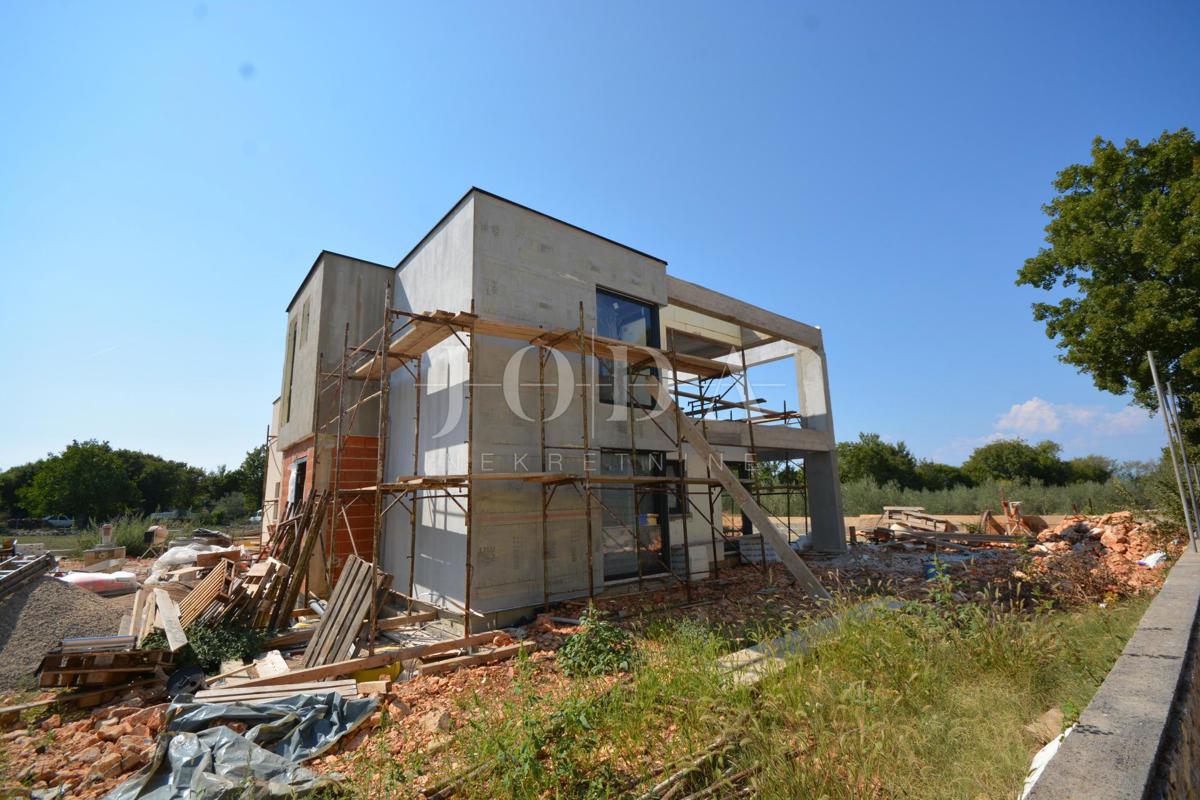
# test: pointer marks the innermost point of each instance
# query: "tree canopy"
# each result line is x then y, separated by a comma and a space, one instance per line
1017, 460
1124, 249
92, 481
882, 462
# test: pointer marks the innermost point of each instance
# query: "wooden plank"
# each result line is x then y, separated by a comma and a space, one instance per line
347, 608
246, 690
488, 657
203, 594
7, 712
170, 619
378, 660
338, 668
395, 623
762, 522
343, 602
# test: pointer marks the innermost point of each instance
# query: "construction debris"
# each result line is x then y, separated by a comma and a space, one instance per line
20, 570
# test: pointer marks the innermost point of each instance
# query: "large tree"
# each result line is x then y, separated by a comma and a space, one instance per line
87, 481
1124, 246
882, 462
1017, 460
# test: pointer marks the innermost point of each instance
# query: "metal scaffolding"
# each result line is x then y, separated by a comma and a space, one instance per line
402, 342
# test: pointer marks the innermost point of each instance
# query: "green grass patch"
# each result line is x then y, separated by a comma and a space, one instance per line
926, 701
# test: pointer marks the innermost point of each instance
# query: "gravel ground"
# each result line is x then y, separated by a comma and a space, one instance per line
34, 619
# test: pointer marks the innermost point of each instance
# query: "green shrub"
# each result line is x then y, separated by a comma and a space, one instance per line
128, 532
209, 645
600, 648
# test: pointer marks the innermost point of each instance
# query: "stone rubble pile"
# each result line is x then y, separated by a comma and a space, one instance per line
90, 755
1109, 546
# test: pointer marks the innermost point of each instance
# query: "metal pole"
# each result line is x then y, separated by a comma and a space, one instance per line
1187, 515
380, 465
1187, 470
762, 536
708, 489
633, 485
684, 509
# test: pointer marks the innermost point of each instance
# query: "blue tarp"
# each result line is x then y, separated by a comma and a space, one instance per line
200, 758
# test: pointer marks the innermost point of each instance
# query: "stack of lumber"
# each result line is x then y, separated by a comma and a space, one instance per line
20, 570
255, 694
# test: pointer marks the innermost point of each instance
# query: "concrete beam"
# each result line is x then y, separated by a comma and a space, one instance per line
720, 306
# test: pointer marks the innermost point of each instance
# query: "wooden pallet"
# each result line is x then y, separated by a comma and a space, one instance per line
359, 585
100, 668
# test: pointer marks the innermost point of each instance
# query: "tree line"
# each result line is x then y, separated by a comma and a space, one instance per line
1007, 460
92, 481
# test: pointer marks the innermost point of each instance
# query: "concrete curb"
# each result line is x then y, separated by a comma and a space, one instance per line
1137, 737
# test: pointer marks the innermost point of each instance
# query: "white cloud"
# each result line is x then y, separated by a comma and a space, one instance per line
1034, 416
1038, 417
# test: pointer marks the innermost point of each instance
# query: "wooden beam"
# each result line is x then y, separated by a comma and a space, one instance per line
488, 657
762, 521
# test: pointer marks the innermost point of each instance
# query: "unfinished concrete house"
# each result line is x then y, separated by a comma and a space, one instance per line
522, 411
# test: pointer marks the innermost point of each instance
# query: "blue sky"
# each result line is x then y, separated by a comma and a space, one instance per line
168, 172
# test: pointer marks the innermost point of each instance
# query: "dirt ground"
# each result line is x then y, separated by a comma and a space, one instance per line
1081, 559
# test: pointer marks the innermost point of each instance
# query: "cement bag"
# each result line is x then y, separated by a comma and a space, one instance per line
102, 582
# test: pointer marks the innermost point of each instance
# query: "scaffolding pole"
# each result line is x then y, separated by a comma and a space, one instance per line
587, 449
416, 498
1166, 415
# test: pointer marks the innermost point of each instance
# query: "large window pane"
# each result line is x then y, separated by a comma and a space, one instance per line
626, 319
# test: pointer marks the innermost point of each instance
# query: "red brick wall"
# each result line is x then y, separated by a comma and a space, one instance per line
357, 468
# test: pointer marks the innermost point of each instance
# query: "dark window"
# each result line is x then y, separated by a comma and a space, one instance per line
291, 373
621, 505
629, 320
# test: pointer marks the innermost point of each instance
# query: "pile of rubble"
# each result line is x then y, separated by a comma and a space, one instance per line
87, 756
1111, 554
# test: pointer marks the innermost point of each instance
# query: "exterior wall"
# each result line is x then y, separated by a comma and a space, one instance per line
355, 293
1139, 737
338, 291
437, 275
297, 452
535, 270
298, 384
274, 477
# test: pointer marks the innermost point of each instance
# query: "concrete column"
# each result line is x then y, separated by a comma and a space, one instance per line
824, 483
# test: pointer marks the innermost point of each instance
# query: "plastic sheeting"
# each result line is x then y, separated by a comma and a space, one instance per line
200, 758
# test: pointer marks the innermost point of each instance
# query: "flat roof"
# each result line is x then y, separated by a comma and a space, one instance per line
313, 269
494, 196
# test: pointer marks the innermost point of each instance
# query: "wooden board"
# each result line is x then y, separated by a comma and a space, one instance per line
486, 657
169, 615
205, 592
253, 694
